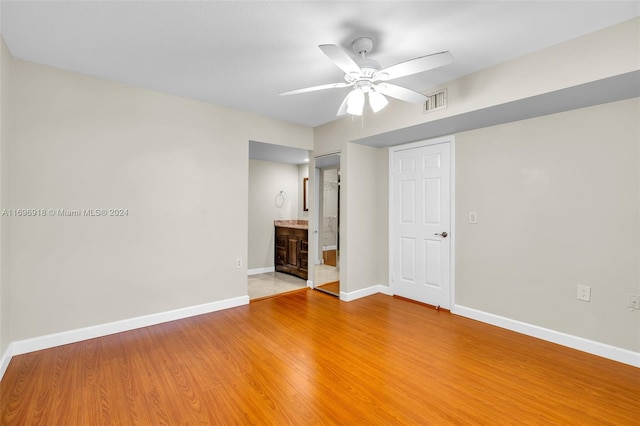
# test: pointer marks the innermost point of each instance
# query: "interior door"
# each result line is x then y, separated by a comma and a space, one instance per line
421, 215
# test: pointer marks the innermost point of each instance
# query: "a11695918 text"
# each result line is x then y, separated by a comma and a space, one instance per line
64, 212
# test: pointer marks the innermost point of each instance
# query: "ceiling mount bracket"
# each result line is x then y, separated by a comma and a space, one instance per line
362, 46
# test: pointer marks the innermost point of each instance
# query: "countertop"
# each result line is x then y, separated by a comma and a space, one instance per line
295, 224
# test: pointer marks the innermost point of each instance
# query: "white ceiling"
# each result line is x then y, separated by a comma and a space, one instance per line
241, 54
277, 153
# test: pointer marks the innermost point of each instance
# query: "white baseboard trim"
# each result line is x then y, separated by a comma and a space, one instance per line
261, 270
77, 335
6, 358
364, 292
614, 353
385, 289
51, 340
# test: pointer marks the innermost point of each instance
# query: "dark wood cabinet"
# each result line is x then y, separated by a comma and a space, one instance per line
292, 251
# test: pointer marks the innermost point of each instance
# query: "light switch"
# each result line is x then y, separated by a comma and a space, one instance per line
473, 217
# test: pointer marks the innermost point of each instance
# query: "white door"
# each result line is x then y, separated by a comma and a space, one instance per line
421, 227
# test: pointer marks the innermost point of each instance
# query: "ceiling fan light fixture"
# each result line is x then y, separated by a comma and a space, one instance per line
351, 77
377, 101
355, 102
369, 80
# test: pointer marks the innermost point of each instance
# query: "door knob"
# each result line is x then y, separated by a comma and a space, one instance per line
443, 235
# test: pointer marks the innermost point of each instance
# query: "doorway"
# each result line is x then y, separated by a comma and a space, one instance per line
421, 221
327, 269
277, 179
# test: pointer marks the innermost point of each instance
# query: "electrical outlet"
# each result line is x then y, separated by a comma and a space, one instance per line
238, 262
633, 301
473, 217
584, 293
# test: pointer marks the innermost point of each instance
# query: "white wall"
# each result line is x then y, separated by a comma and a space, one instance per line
266, 180
5, 137
558, 205
180, 167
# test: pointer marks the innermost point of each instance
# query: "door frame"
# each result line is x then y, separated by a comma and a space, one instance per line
451, 140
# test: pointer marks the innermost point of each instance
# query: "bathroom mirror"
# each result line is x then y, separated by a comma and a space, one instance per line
327, 270
305, 195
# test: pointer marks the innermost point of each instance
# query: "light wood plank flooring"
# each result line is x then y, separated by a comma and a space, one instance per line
308, 358
332, 287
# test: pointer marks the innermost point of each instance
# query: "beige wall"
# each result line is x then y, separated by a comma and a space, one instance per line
266, 180
180, 167
364, 226
382, 216
5, 136
558, 205
541, 291
605, 53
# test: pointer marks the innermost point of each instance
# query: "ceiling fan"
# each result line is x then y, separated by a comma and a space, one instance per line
366, 77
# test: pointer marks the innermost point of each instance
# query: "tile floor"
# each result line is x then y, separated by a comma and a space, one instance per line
326, 274
270, 283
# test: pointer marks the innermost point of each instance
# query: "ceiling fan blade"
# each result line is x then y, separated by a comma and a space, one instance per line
340, 58
401, 93
342, 109
414, 66
315, 88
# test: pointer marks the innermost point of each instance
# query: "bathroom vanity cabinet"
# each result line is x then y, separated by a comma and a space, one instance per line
291, 247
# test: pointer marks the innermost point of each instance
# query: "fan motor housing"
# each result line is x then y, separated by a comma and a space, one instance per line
368, 66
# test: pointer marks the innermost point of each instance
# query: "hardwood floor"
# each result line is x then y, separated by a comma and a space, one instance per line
308, 358
332, 287
330, 257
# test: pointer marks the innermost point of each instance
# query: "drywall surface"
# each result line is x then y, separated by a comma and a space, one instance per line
5, 141
172, 175
558, 205
364, 231
266, 204
382, 215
